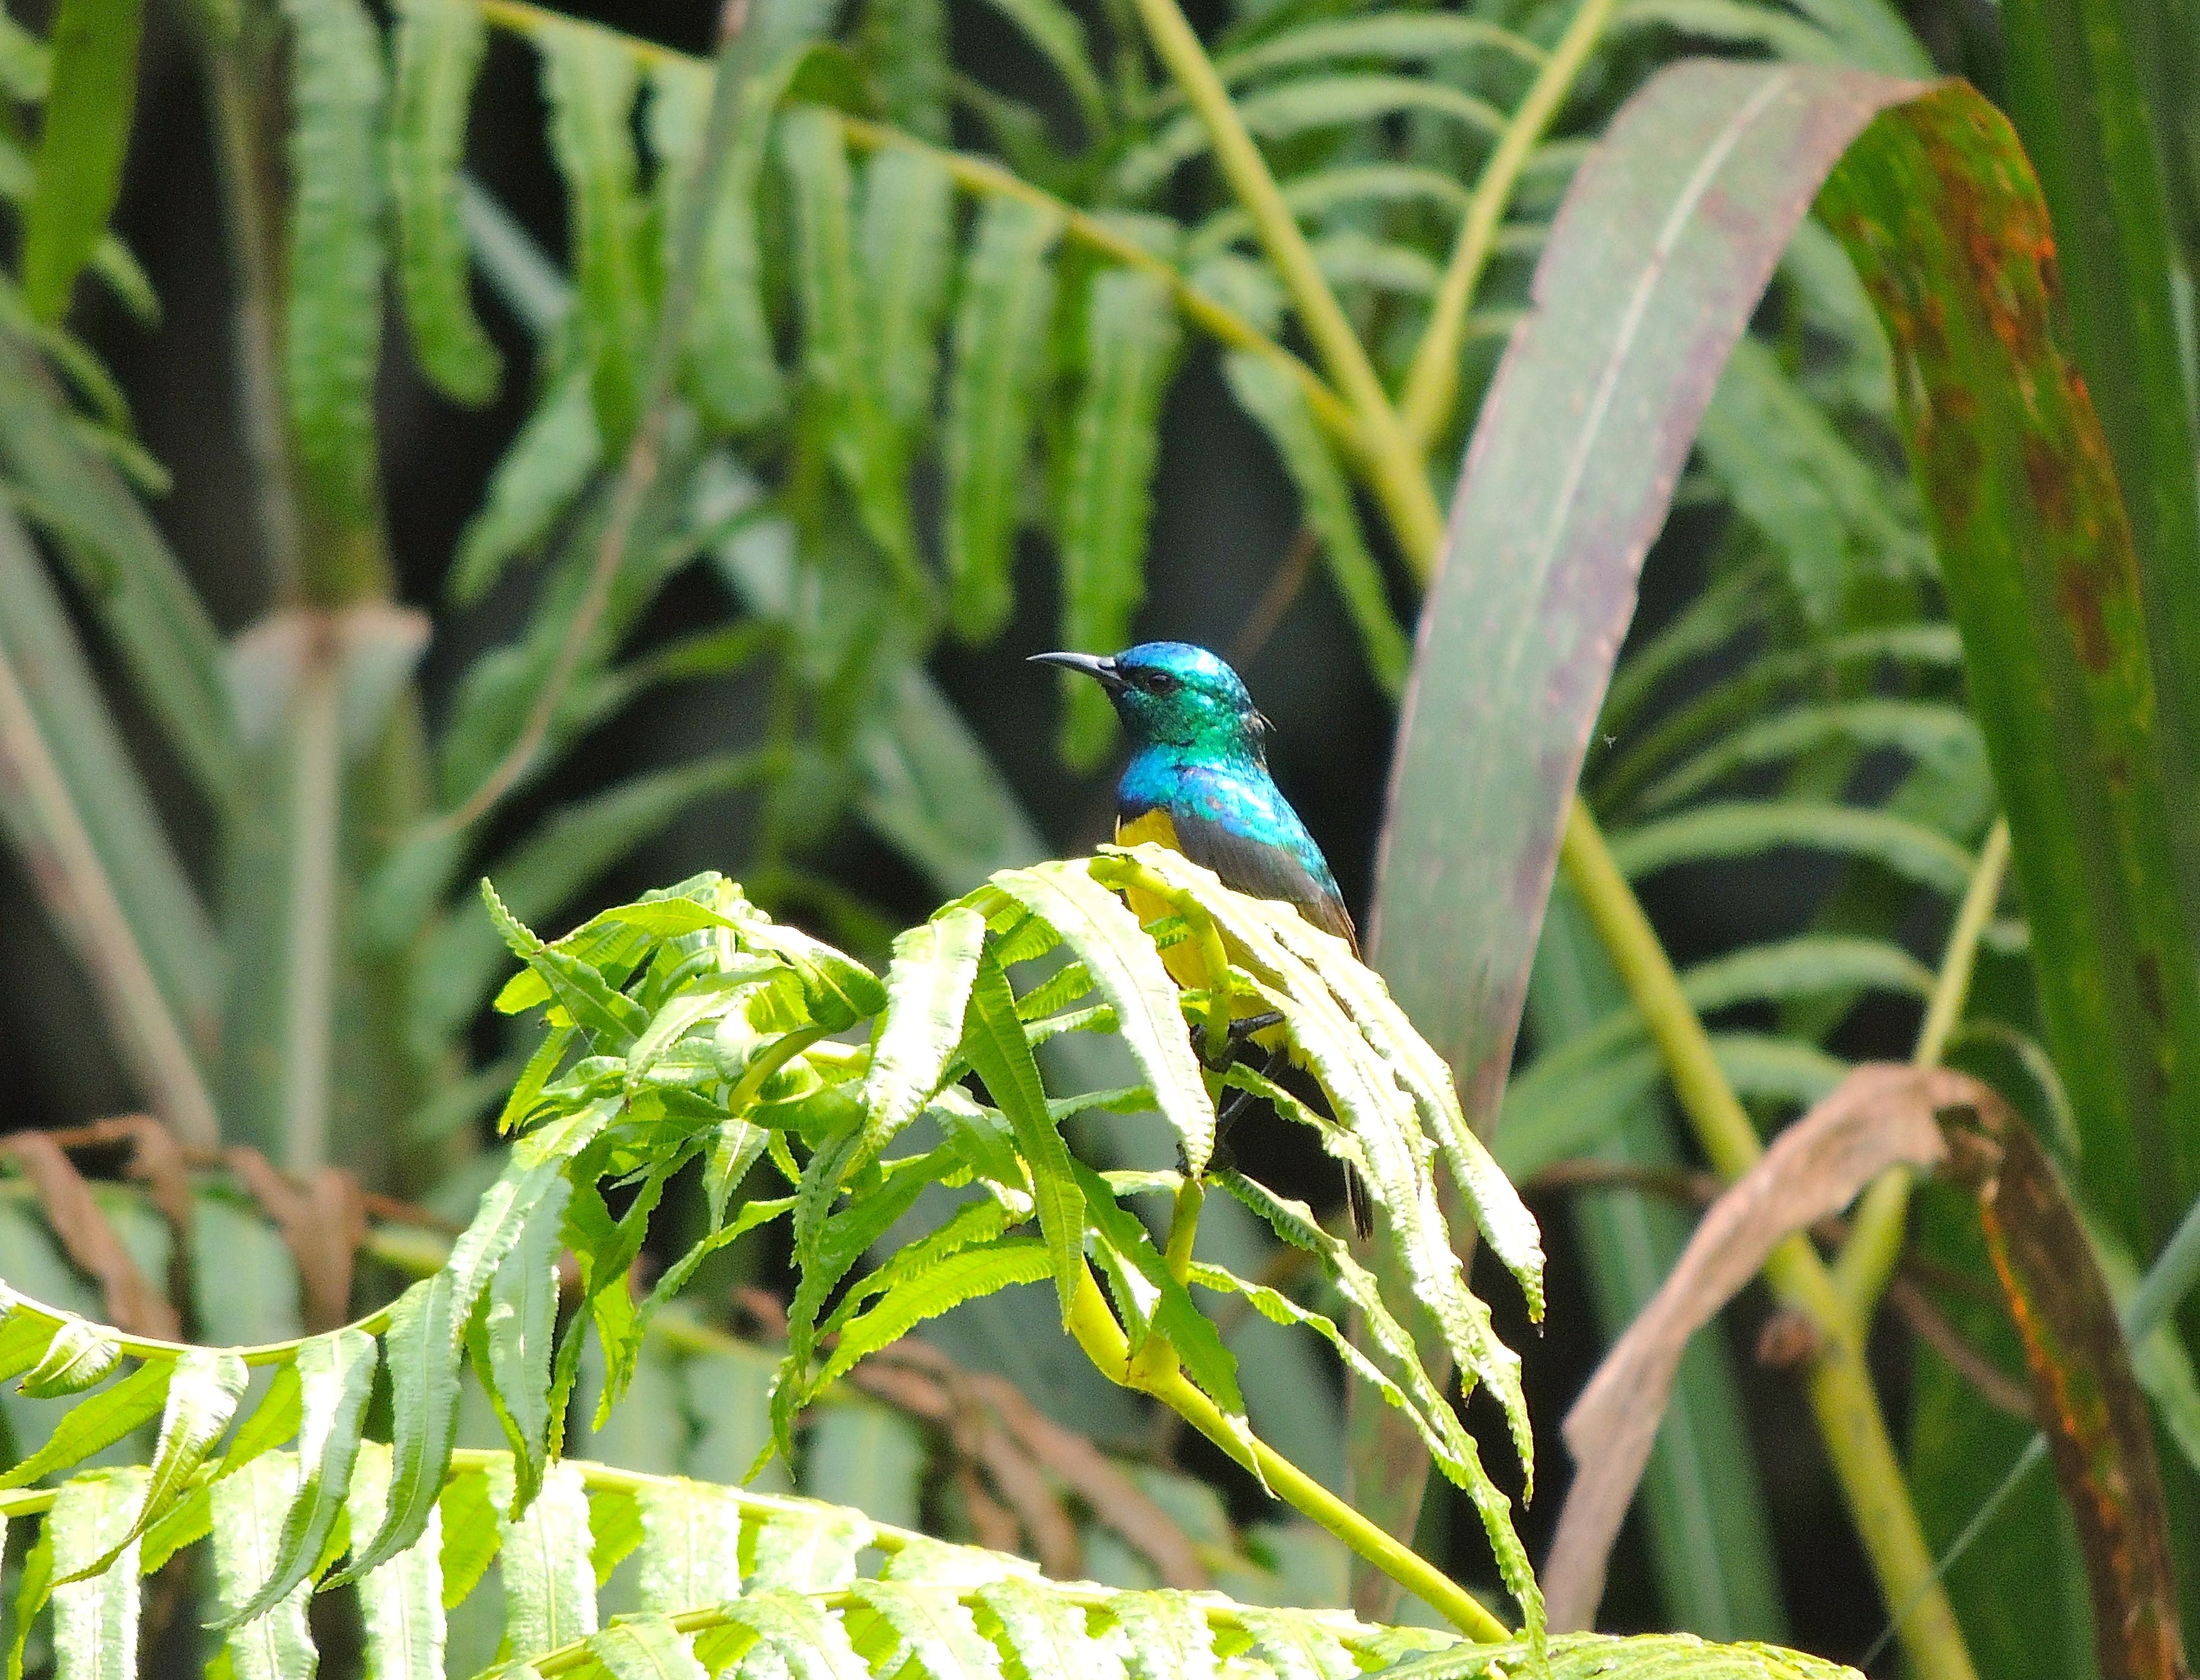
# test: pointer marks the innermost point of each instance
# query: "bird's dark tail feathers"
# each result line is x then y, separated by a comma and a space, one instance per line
1356, 1198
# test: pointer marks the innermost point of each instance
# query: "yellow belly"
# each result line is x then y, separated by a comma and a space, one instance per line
1183, 960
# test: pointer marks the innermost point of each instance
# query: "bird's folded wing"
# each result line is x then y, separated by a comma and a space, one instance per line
1264, 869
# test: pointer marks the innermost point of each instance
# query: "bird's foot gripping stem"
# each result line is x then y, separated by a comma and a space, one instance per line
1243, 1031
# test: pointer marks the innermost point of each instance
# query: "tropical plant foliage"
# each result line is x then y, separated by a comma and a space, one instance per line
856, 320
688, 1026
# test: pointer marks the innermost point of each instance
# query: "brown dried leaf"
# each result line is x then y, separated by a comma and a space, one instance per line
322, 1225
994, 1423
2097, 1419
1114, 1498
926, 1384
157, 1161
1879, 1116
1016, 1476
132, 1304
990, 1521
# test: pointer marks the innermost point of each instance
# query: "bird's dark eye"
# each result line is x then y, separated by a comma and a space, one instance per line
1161, 682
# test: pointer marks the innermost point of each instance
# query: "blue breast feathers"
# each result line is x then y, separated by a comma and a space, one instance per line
1240, 799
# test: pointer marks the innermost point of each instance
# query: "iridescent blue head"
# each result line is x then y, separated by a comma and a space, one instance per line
1172, 693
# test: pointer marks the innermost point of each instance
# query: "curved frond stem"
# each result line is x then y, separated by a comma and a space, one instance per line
1433, 380
521, 18
784, 1049
1867, 1260
153, 1348
1395, 471
638, 472
1156, 1362
1845, 1405
981, 178
1373, 438
1094, 1326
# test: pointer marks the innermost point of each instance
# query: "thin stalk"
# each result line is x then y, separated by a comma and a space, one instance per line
1284, 584
1247, 171
1403, 1565
1842, 1398
50, 832
1155, 1363
784, 1051
981, 178
1215, 959
1729, 1136
1184, 1225
1952, 988
1432, 381
152, 1348
238, 153
309, 973
1094, 1326
1867, 1260
1394, 465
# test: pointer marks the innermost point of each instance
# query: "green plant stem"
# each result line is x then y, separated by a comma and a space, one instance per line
1842, 1398
316, 790
1339, 346
1215, 959
1432, 381
1403, 1565
783, 1050
1393, 463
1156, 1361
152, 1348
981, 178
1867, 1260
1952, 988
1184, 1225
1093, 1324
239, 154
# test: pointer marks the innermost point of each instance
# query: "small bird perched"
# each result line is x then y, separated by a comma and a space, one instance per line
1198, 784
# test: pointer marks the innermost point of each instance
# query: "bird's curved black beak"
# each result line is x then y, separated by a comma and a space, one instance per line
1097, 666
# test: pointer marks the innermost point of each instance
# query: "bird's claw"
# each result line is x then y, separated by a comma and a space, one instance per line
1221, 1158
1243, 1031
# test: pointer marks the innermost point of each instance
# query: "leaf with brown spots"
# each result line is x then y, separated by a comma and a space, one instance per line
1937, 203
2098, 1428
1656, 261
